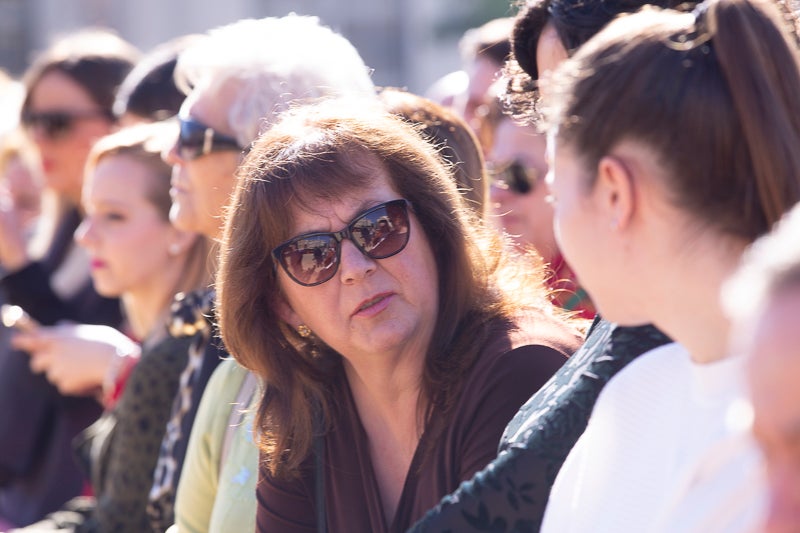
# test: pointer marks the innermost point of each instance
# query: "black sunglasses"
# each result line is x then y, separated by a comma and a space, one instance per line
513, 176
313, 258
196, 139
55, 124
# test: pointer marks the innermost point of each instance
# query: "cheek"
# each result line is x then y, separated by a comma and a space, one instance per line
566, 228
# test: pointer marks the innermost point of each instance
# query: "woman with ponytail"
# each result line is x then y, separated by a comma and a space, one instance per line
673, 144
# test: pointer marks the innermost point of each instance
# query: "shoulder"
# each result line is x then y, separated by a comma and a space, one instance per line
528, 334
669, 361
647, 391
161, 364
226, 380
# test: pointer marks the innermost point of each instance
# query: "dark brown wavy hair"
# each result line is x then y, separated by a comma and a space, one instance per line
320, 154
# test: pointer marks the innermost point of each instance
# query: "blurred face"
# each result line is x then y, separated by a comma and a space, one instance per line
549, 51
482, 74
202, 186
64, 123
371, 307
126, 237
775, 395
23, 188
527, 216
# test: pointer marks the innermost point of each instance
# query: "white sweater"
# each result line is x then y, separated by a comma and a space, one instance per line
667, 449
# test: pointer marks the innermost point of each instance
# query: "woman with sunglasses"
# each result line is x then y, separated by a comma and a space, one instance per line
138, 256
395, 341
520, 201
69, 93
674, 146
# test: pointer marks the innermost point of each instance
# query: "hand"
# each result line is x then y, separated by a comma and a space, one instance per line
13, 252
74, 357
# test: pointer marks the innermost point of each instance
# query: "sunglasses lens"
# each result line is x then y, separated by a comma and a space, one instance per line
310, 260
190, 139
379, 233
514, 176
383, 232
518, 178
52, 124
196, 139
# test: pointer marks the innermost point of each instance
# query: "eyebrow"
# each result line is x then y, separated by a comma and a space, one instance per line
365, 205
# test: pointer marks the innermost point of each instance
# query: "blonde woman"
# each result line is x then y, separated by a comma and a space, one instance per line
138, 256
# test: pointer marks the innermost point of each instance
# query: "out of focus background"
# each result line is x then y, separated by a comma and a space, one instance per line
409, 43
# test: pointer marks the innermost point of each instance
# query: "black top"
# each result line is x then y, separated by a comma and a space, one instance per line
37, 423
119, 451
510, 494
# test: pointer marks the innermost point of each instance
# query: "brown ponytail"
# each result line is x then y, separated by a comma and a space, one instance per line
713, 93
758, 58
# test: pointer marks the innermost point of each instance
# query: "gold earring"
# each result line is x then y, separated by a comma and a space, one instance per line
304, 331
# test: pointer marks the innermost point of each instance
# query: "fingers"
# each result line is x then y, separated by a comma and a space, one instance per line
30, 342
40, 363
38, 346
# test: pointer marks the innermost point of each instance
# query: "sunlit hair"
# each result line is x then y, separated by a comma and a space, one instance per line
712, 93
270, 63
455, 140
143, 144
321, 154
770, 267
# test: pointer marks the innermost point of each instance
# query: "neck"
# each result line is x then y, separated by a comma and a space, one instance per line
147, 305
389, 394
687, 306
145, 313
388, 405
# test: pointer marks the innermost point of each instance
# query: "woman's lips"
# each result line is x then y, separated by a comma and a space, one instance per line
97, 263
373, 305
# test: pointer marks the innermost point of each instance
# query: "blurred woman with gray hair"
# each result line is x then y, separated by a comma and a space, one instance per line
238, 79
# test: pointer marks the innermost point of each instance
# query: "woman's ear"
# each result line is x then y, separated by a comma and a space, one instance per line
287, 314
616, 189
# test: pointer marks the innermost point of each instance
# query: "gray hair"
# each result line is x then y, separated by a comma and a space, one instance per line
272, 64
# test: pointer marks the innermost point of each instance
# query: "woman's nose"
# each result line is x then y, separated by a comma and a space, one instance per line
83, 232
171, 155
354, 265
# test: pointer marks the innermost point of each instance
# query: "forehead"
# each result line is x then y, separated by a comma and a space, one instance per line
56, 90
210, 104
516, 141
332, 214
550, 52
118, 176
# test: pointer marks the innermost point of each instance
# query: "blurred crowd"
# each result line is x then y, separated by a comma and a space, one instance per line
243, 288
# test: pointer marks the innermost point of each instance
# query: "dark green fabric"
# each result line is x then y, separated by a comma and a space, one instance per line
120, 450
